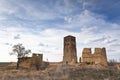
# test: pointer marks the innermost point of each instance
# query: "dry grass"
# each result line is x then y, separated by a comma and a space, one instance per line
60, 72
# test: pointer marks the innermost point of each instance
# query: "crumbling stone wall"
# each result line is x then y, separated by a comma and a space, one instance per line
98, 57
31, 62
25, 62
70, 55
36, 60
86, 57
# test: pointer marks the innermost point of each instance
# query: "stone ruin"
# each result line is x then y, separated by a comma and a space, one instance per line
98, 57
70, 55
37, 59
31, 62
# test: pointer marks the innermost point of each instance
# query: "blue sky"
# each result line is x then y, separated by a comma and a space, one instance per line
40, 25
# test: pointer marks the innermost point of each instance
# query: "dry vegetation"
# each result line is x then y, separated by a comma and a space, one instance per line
60, 72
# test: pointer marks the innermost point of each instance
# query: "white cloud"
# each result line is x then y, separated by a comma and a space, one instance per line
68, 19
17, 36
90, 29
6, 7
53, 38
25, 11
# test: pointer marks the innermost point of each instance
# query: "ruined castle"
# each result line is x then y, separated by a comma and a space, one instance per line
70, 55
98, 57
31, 62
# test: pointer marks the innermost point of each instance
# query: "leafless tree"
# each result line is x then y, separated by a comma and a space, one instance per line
20, 51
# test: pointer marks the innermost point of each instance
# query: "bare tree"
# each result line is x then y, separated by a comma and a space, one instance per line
112, 62
20, 51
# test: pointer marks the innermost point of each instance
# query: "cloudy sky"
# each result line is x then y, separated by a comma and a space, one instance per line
40, 25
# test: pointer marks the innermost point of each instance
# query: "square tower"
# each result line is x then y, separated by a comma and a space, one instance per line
37, 59
70, 55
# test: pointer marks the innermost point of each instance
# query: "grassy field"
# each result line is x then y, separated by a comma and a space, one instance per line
63, 72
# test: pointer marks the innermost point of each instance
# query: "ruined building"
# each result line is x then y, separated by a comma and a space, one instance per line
98, 57
37, 59
70, 55
32, 62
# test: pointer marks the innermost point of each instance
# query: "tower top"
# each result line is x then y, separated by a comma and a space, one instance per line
69, 36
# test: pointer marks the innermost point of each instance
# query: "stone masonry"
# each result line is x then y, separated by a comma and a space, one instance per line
98, 57
31, 62
37, 59
70, 55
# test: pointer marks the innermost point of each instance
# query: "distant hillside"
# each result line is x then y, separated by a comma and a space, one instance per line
4, 63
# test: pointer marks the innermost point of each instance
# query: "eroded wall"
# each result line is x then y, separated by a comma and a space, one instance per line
29, 62
98, 57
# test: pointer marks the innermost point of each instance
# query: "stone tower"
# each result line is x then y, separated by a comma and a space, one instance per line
36, 59
70, 55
